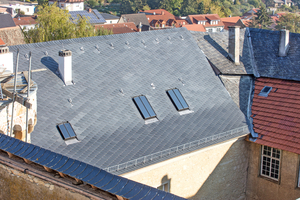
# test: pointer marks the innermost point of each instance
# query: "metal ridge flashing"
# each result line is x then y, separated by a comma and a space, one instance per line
254, 66
76, 168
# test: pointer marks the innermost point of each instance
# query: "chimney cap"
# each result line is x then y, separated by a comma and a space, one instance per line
4, 49
65, 53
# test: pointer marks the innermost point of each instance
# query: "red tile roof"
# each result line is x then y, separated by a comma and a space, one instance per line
229, 21
1, 42
25, 20
119, 28
195, 27
157, 12
276, 118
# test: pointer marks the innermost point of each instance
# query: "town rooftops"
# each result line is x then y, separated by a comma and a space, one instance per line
6, 21
276, 115
136, 19
92, 14
119, 27
195, 27
230, 21
266, 46
109, 16
108, 72
25, 20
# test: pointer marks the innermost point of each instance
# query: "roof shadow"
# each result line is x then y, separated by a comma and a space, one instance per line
52, 65
214, 44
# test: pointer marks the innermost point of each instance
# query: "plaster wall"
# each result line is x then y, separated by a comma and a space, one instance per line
215, 172
260, 188
19, 116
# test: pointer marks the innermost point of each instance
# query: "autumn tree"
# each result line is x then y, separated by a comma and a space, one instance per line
290, 22
54, 23
262, 20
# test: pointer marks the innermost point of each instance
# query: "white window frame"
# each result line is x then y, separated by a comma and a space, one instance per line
165, 186
267, 166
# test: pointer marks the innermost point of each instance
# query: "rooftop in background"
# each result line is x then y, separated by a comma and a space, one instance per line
109, 16
230, 21
119, 28
156, 12
2, 43
6, 21
112, 133
208, 20
194, 27
136, 19
25, 20
276, 118
265, 47
93, 15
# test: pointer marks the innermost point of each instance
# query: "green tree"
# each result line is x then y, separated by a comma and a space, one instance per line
262, 20
93, 3
54, 24
269, 3
201, 8
290, 22
255, 3
171, 5
125, 7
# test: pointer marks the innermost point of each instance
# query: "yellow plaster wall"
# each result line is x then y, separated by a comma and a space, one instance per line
216, 172
260, 188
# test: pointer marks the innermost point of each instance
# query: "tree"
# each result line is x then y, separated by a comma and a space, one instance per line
125, 7
262, 20
290, 22
54, 24
93, 3
269, 3
171, 5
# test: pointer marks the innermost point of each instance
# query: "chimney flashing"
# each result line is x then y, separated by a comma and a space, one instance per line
234, 44
284, 42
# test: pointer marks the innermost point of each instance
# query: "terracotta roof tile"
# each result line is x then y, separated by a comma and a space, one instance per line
229, 21
119, 28
276, 118
1, 42
25, 20
195, 27
206, 17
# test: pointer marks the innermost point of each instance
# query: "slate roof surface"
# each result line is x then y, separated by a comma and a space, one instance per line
276, 118
215, 47
136, 19
108, 71
6, 21
109, 16
269, 64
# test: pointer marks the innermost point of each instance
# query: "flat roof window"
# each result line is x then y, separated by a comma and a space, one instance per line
66, 131
144, 107
177, 99
265, 91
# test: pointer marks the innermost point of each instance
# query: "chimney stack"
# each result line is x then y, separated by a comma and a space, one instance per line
6, 59
140, 27
65, 66
162, 12
234, 44
284, 42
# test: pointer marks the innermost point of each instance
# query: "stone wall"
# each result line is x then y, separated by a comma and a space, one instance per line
261, 188
215, 172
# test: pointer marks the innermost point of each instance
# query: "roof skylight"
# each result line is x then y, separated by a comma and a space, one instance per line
177, 99
66, 131
265, 91
144, 107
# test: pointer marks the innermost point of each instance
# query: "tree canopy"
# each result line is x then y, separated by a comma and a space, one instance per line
262, 20
290, 22
54, 23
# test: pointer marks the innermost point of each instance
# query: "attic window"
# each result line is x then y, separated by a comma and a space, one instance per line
144, 107
265, 91
66, 131
177, 99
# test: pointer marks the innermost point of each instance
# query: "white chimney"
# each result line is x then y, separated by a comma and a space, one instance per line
234, 44
284, 42
65, 66
6, 60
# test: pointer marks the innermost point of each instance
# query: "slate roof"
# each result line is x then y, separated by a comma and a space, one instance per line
6, 21
266, 45
108, 71
109, 16
136, 19
99, 178
215, 47
276, 118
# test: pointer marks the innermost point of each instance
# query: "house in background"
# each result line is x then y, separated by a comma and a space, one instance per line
70, 5
26, 23
119, 28
110, 19
9, 32
189, 134
139, 19
211, 22
15, 9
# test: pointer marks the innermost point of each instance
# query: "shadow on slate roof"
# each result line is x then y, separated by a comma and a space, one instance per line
6, 21
109, 126
215, 47
269, 64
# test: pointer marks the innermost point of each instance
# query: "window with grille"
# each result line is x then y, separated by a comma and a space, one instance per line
270, 162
